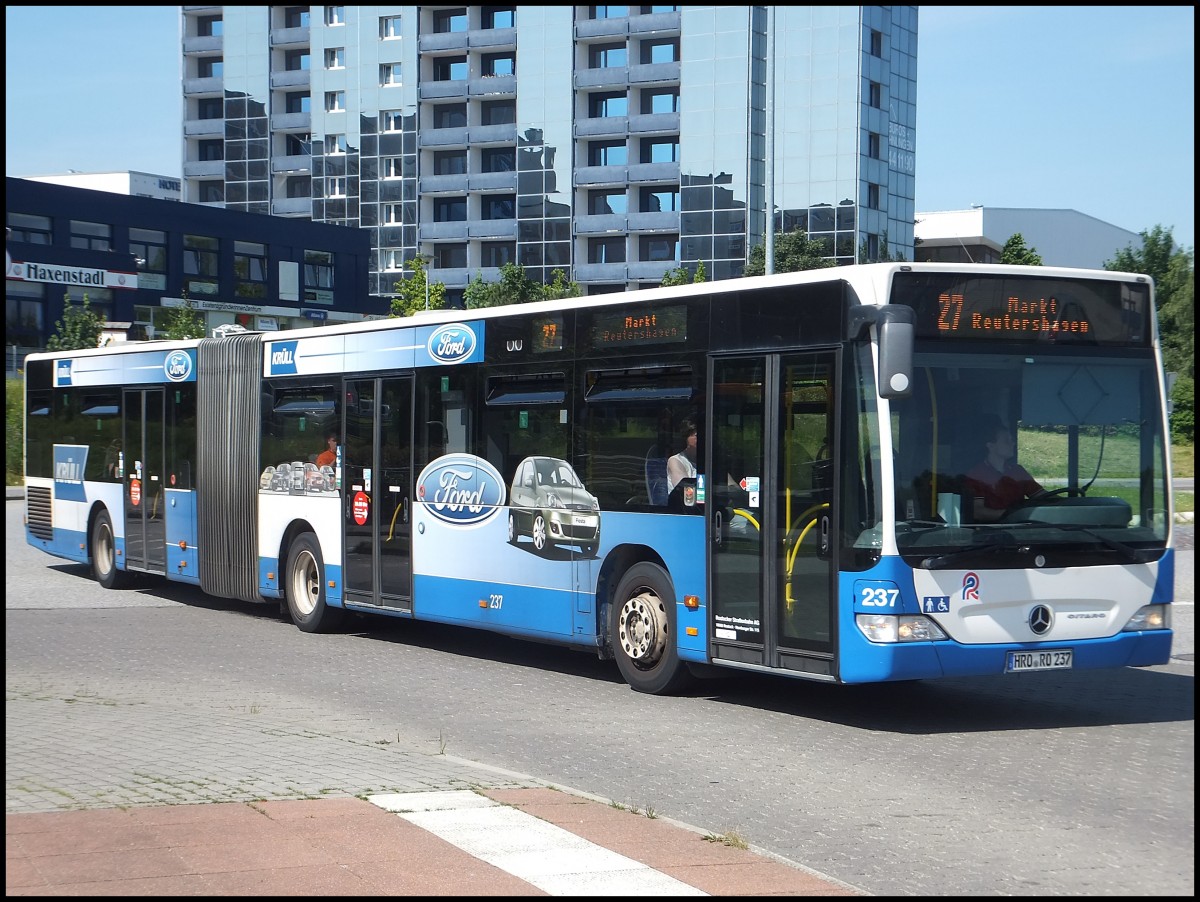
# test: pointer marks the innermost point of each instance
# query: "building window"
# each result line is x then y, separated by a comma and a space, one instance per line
659, 248
318, 269
875, 95
29, 228
607, 201
298, 186
873, 197
657, 150
608, 56
608, 103
662, 101
297, 102
450, 68
499, 64
250, 269
499, 17
498, 159
336, 186
392, 214
498, 112
389, 74
874, 146
335, 101
201, 264
210, 108
296, 60
149, 248
449, 20
389, 27
660, 200
295, 17
499, 206
609, 12
209, 150
449, 162
391, 260
606, 250
876, 43
607, 153
497, 253
211, 192
92, 236
390, 168
449, 209
209, 27
391, 121
450, 256
335, 15
450, 115
661, 51
210, 67
335, 145
335, 57
25, 314
298, 145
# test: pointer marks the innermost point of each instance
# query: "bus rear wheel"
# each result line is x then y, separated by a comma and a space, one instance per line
304, 587
642, 631
104, 553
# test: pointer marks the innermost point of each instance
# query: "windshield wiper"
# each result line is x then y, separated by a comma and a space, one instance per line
1132, 555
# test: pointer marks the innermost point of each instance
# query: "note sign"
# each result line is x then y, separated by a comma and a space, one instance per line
1033, 309
625, 328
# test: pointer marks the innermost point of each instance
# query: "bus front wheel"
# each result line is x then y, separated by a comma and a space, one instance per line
104, 553
304, 586
642, 631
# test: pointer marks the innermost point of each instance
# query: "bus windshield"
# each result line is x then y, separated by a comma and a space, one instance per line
1003, 455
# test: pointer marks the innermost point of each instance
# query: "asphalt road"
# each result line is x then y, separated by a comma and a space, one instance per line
1048, 784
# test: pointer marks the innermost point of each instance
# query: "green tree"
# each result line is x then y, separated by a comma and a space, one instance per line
516, 287
682, 276
794, 251
1017, 253
184, 321
411, 292
80, 327
1173, 270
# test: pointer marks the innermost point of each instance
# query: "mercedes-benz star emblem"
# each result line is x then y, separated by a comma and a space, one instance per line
1040, 620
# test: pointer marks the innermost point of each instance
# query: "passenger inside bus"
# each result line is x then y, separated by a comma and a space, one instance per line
998, 481
328, 457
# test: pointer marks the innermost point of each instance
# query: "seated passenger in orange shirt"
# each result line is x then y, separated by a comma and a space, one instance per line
328, 457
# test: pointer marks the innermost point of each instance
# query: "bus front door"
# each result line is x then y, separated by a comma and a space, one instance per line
144, 489
377, 462
770, 491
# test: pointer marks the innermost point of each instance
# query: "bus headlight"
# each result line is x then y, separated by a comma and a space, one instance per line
1149, 617
898, 628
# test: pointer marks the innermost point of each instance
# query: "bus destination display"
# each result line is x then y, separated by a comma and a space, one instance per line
664, 325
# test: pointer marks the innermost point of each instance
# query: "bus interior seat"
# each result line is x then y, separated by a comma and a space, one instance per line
656, 477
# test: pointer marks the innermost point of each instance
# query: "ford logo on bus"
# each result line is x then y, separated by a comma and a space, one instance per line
461, 489
178, 366
452, 343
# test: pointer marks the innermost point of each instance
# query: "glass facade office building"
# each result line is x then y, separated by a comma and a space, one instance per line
615, 143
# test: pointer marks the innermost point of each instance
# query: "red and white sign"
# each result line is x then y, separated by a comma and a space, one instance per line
362, 505
135, 492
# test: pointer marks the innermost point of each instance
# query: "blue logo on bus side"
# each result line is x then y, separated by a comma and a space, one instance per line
178, 366
452, 343
283, 358
461, 489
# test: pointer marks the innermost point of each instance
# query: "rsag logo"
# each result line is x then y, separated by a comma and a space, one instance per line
62, 372
178, 366
453, 343
461, 489
283, 358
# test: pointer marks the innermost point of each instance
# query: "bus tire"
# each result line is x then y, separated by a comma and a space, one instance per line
304, 587
641, 629
104, 553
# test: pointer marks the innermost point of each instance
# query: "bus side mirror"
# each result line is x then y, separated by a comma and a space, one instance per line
896, 332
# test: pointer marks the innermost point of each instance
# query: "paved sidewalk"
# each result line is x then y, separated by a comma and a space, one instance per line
517, 842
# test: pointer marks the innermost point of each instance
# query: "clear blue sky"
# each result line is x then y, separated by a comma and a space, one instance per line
1087, 108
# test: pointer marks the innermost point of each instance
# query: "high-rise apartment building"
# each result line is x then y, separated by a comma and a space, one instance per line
613, 142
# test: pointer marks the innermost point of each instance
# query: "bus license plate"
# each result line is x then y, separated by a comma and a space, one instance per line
1051, 659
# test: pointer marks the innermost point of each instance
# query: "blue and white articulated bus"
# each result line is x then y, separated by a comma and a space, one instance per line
510, 469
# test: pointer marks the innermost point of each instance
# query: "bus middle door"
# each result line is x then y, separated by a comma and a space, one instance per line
144, 490
377, 459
